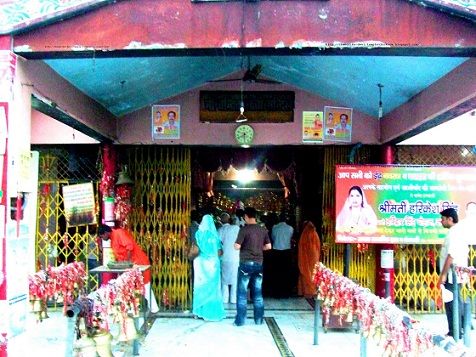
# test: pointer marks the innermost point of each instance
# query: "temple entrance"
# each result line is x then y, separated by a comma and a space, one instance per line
233, 190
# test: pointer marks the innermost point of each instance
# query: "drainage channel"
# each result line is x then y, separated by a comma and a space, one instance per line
278, 337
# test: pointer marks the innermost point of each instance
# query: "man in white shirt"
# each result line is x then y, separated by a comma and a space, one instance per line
281, 235
230, 259
454, 251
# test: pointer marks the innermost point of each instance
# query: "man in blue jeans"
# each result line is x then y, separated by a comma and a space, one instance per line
252, 240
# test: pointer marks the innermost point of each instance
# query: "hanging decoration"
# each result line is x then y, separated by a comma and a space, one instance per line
106, 186
267, 202
123, 194
264, 202
119, 298
379, 319
122, 203
65, 282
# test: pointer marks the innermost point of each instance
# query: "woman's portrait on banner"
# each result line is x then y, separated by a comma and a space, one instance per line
356, 215
165, 122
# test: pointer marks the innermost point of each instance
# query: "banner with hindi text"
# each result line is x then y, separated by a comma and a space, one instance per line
399, 204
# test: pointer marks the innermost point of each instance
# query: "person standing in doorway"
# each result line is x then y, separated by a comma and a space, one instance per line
309, 247
252, 240
230, 259
207, 297
281, 236
454, 251
194, 219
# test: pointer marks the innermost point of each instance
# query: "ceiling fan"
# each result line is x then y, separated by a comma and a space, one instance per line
251, 75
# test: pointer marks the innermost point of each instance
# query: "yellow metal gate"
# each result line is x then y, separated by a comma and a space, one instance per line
160, 218
55, 242
416, 274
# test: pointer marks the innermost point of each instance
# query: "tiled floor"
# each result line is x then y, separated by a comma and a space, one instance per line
289, 331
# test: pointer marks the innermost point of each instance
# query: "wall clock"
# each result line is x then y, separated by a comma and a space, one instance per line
244, 134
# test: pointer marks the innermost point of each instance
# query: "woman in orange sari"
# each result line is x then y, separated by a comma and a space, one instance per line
309, 247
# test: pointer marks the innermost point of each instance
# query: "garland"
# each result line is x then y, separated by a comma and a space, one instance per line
119, 298
69, 281
122, 203
65, 280
378, 318
37, 285
102, 307
85, 305
128, 289
106, 186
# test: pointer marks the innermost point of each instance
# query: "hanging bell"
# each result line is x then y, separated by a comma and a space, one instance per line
124, 178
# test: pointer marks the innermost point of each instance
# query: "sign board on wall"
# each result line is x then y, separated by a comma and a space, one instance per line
260, 106
79, 204
399, 204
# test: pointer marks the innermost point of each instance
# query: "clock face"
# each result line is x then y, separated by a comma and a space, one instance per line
244, 134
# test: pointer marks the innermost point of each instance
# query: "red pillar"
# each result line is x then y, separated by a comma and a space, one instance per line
385, 277
107, 190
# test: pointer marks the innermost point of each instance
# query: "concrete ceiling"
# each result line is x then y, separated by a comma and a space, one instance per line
124, 85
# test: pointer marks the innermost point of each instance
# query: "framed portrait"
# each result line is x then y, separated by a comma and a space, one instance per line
166, 122
312, 127
337, 124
